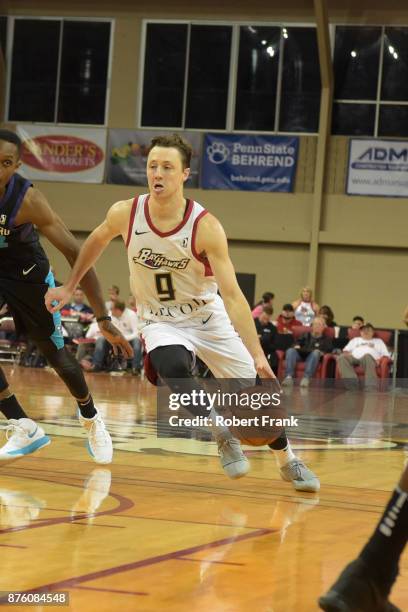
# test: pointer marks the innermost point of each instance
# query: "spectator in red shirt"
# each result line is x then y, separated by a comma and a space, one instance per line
286, 320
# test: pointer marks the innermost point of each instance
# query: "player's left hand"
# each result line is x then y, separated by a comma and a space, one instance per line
119, 343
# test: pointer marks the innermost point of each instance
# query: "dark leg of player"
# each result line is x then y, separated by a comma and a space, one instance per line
9, 404
69, 370
175, 362
366, 583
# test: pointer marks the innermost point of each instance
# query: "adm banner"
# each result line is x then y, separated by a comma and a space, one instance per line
63, 154
128, 151
378, 168
249, 163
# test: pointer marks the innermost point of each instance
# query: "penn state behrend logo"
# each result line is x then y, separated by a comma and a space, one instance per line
154, 261
218, 152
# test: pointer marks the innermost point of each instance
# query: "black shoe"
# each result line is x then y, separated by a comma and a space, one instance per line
136, 371
355, 591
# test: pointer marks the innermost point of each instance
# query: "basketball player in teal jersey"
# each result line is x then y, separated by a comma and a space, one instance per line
178, 257
25, 277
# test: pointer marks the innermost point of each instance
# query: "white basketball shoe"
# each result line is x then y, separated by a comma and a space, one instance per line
24, 437
99, 441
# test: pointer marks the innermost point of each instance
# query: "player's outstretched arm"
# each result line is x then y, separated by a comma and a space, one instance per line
212, 242
89, 253
36, 210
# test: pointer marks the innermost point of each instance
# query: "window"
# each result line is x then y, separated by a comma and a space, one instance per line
257, 81
3, 35
371, 81
164, 75
300, 102
65, 79
208, 73
230, 77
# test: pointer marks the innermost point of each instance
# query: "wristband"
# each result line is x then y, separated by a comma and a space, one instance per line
105, 318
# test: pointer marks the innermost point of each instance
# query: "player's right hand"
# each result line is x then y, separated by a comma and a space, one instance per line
264, 371
56, 298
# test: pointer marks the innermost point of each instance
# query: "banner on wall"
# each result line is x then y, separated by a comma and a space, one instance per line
63, 153
377, 168
249, 163
127, 155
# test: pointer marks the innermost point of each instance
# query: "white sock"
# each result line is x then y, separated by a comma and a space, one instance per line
284, 456
219, 431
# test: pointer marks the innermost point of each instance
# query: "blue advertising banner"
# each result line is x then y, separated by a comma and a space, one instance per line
249, 163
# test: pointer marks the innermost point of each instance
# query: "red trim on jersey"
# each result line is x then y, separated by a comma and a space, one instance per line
207, 268
131, 219
173, 231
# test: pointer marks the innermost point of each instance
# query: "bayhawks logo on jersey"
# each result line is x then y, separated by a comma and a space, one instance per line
154, 261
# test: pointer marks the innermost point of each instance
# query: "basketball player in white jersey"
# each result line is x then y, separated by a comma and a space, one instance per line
178, 258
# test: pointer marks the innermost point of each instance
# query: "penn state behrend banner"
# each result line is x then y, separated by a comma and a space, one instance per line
62, 153
127, 155
378, 168
249, 163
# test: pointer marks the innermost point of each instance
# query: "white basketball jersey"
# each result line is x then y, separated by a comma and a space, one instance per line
168, 278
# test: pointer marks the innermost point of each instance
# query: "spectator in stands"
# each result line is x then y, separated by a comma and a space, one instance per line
328, 315
132, 303
357, 323
127, 322
310, 348
85, 345
78, 307
287, 320
267, 333
113, 293
267, 300
365, 351
305, 308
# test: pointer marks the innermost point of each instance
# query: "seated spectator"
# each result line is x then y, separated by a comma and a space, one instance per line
78, 308
365, 351
127, 322
328, 315
113, 293
310, 348
342, 339
267, 300
84, 350
357, 323
287, 320
305, 308
132, 303
267, 333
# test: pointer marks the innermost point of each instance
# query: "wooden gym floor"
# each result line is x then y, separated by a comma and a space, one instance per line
162, 528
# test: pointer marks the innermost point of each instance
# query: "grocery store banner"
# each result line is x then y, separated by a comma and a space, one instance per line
63, 153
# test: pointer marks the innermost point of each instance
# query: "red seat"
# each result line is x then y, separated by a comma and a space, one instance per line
322, 368
384, 366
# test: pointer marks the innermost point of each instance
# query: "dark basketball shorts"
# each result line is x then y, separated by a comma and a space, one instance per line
25, 301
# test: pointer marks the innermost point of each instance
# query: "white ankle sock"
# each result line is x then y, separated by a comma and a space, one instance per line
284, 456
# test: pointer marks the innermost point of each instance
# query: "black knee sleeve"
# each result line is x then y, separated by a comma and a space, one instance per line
66, 366
3, 381
175, 362
172, 362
